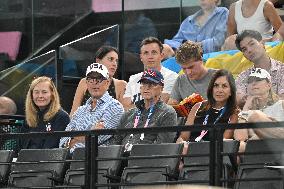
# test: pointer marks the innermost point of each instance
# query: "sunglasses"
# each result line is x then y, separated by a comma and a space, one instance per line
95, 79
150, 84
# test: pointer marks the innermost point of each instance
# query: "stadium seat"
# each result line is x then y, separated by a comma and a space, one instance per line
196, 167
6, 156
151, 170
107, 170
38, 168
268, 152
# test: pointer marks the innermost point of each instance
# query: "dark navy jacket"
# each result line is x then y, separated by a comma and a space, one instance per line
57, 123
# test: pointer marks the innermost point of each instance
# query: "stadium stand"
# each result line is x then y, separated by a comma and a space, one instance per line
107, 170
48, 26
152, 170
259, 155
196, 166
38, 168
6, 157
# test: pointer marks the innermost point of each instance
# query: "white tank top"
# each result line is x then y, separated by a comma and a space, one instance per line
256, 22
276, 111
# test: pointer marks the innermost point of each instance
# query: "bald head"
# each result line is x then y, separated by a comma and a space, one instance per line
7, 106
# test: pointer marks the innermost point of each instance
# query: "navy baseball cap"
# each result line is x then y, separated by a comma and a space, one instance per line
152, 75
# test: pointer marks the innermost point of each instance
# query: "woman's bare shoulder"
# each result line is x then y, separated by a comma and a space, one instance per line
119, 82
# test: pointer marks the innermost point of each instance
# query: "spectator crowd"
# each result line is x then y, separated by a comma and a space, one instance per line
103, 102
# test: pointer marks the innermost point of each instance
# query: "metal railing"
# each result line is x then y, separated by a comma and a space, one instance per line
91, 146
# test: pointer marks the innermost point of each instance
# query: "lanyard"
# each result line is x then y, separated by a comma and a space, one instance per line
204, 132
137, 118
138, 115
128, 145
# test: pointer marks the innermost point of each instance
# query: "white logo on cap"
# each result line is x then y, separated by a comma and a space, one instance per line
99, 66
96, 67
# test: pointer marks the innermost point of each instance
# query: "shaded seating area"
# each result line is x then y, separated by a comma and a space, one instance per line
107, 169
38, 168
196, 165
259, 167
145, 170
6, 157
146, 163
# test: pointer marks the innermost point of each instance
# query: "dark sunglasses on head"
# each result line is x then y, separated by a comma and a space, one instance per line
255, 79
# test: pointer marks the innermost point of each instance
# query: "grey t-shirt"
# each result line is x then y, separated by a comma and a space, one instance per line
184, 87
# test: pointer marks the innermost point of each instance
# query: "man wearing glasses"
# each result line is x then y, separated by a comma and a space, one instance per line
101, 111
149, 112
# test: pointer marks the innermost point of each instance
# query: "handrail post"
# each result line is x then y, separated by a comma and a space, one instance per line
212, 159
94, 164
219, 157
88, 160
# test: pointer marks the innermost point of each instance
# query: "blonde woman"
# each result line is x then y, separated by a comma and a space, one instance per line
44, 113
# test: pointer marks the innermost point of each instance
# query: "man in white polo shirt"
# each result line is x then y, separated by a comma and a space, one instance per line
151, 55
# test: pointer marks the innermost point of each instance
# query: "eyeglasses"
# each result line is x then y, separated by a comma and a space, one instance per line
95, 79
148, 84
255, 79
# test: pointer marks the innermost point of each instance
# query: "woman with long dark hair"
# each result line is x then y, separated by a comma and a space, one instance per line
221, 107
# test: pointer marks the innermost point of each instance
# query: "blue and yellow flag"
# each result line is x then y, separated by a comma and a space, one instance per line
232, 60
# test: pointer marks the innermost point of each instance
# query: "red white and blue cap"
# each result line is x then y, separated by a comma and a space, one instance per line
152, 75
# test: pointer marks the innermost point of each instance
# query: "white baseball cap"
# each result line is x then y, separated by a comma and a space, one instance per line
99, 68
260, 73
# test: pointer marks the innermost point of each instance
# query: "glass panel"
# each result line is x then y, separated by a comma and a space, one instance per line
159, 18
14, 82
78, 54
189, 8
49, 17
